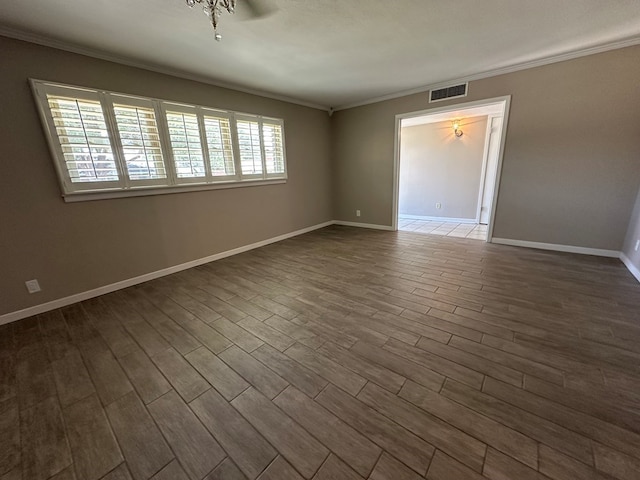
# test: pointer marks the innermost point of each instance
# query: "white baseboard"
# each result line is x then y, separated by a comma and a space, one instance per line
438, 219
363, 225
96, 292
557, 247
635, 271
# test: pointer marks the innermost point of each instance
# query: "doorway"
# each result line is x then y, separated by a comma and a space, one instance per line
447, 168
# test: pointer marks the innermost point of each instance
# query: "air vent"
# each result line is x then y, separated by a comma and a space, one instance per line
448, 92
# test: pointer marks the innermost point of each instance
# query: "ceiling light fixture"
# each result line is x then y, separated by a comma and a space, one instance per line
213, 9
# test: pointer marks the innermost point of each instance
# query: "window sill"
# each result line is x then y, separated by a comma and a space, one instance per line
85, 196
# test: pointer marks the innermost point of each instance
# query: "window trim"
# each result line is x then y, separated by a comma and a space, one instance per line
280, 123
136, 102
165, 108
154, 190
125, 186
212, 113
250, 119
56, 148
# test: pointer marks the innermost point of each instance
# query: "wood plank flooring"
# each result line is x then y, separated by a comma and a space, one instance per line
341, 354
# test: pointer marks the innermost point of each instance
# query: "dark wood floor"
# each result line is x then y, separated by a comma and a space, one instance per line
341, 354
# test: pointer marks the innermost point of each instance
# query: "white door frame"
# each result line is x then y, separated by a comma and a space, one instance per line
486, 162
506, 103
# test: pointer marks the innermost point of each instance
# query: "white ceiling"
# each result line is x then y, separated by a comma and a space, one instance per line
328, 52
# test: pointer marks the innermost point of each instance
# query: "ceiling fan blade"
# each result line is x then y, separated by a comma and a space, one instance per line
257, 8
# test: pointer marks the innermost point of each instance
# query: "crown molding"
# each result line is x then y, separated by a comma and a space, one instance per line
629, 42
110, 57
102, 55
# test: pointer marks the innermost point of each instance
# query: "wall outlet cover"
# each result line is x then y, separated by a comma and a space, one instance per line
32, 286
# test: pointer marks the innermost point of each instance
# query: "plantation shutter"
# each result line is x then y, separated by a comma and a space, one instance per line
139, 139
219, 145
83, 138
273, 142
186, 145
249, 146
115, 144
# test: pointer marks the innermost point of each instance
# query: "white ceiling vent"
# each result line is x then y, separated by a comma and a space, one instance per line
448, 92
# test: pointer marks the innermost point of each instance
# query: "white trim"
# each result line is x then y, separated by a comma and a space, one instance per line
102, 55
635, 271
395, 200
629, 42
557, 247
182, 188
498, 174
95, 53
437, 219
364, 225
485, 164
162, 109
78, 297
505, 102
498, 177
96, 292
473, 105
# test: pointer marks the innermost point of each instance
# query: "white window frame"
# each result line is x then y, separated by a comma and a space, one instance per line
189, 110
258, 120
210, 112
116, 98
56, 148
280, 123
126, 186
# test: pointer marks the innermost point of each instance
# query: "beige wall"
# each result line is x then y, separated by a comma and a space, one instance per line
570, 176
633, 235
571, 169
438, 167
74, 247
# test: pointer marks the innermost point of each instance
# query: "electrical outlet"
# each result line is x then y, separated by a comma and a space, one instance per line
357, 213
637, 245
438, 205
33, 286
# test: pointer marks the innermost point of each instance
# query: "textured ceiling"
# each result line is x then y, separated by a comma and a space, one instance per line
329, 52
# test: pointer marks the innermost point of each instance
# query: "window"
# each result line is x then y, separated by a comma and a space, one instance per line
261, 146
85, 150
186, 144
249, 145
140, 140
219, 145
110, 142
273, 147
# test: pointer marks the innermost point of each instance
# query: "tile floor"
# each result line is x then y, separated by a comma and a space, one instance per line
449, 229
344, 354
